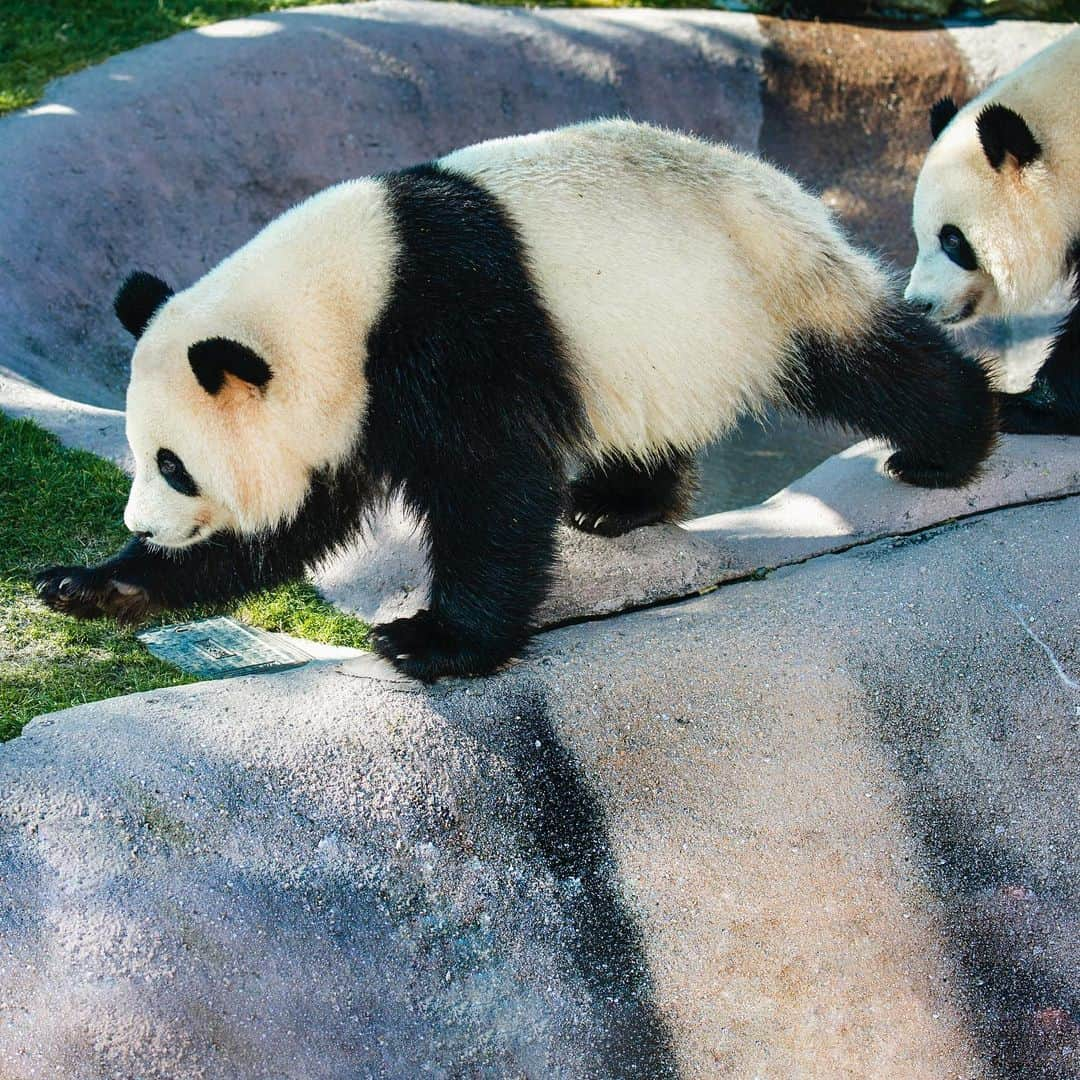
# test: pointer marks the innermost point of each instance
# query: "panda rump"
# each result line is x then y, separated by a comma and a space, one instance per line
530, 328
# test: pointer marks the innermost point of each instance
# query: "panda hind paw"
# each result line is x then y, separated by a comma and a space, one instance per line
911, 469
427, 648
85, 593
603, 522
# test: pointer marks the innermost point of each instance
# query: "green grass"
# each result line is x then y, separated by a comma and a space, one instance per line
41, 39
64, 506
298, 609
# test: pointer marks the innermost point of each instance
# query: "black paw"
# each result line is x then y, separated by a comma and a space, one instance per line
426, 648
1038, 412
608, 522
86, 593
912, 469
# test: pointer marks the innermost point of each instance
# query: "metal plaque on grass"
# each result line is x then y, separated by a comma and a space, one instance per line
221, 647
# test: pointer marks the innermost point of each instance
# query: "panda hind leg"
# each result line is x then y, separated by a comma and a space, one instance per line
623, 493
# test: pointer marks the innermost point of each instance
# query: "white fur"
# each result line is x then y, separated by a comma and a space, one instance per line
302, 294
675, 268
1020, 222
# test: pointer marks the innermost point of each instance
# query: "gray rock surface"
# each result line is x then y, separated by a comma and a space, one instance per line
847, 500
814, 825
170, 156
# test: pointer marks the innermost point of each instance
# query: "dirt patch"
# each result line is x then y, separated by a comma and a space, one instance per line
845, 108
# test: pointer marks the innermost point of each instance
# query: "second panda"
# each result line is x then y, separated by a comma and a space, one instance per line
595, 302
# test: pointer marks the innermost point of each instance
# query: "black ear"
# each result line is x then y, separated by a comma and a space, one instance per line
941, 112
214, 358
139, 297
1001, 132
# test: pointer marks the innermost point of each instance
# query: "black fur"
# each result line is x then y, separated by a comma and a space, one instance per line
941, 112
904, 382
623, 494
1052, 405
174, 473
1001, 132
957, 247
472, 411
214, 358
138, 299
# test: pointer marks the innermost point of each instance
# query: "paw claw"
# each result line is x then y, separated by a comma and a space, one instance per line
81, 592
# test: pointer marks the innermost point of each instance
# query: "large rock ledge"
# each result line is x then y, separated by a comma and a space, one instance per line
847, 500
815, 825
283, 104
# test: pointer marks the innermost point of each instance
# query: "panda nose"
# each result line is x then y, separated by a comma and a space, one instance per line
923, 307
144, 534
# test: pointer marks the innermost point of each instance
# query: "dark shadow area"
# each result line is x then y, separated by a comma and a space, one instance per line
569, 833
990, 794
760, 457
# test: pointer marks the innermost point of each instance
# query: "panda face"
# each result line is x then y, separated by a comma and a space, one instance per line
166, 506
950, 280
983, 218
175, 497
214, 448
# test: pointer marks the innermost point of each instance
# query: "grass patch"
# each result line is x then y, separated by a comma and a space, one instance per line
299, 610
65, 506
41, 39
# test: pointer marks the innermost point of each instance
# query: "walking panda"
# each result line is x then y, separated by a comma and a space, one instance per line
997, 219
606, 297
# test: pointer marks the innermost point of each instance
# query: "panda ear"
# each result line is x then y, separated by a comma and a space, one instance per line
138, 299
941, 112
214, 358
1003, 132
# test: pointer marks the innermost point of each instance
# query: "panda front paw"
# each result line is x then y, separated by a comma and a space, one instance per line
427, 648
911, 469
87, 593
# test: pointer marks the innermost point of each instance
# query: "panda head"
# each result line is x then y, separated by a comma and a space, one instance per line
217, 443
981, 218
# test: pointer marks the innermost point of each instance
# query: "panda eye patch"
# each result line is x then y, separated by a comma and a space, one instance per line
175, 475
954, 244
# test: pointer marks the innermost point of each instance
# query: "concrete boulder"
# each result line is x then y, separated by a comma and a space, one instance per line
812, 822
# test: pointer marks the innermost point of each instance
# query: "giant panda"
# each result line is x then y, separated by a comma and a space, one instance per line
528, 328
997, 219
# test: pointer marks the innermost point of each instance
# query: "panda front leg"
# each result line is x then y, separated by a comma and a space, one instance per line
621, 493
902, 381
142, 579
119, 588
491, 540
1052, 404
